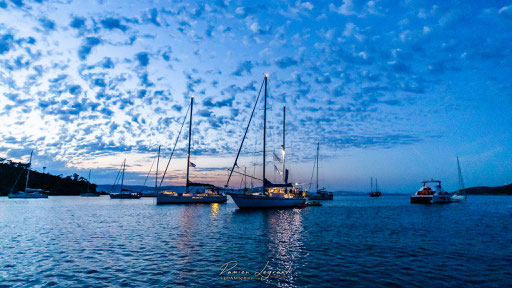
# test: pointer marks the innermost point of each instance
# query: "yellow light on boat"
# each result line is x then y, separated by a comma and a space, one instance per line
266, 75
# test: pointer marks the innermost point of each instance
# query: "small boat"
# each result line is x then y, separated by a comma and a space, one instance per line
123, 193
314, 203
193, 193
270, 195
375, 193
89, 193
28, 192
320, 194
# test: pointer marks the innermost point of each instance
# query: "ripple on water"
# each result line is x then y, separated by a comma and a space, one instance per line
351, 241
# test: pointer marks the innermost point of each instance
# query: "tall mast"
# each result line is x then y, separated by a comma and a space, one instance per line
89, 181
189, 137
317, 156
28, 170
284, 136
264, 132
122, 175
461, 180
156, 174
371, 184
376, 185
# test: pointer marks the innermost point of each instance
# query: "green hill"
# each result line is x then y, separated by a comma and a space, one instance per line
56, 184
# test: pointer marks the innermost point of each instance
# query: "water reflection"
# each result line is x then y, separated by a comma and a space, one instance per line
283, 244
214, 207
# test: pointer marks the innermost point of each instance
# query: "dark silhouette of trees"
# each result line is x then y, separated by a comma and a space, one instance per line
57, 185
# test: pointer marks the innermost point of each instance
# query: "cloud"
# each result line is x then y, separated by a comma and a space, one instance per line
285, 62
47, 24
111, 23
151, 16
6, 43
77, 23
87, 45
243, 68
142, 58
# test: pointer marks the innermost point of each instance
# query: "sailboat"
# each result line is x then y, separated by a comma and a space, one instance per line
28, 192
195, 192
270, 195
458, 196
89, 193
320, 194
123, 193
375, 193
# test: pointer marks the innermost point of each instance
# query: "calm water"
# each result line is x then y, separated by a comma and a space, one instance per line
351, 241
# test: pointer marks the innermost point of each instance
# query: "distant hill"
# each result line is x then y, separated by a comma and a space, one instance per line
484, 190
13, 176
139, 188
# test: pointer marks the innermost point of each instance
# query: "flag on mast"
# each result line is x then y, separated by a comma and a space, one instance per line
190, 164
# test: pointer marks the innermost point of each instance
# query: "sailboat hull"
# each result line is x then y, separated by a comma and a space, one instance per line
24, 195
259, 201
125, 196
162, 199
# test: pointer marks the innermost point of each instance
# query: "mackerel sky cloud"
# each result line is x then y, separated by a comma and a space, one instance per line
390, 89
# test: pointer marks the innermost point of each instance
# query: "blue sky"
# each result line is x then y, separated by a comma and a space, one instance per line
391, 89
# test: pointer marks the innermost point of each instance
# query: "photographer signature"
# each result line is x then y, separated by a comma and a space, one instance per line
228, 270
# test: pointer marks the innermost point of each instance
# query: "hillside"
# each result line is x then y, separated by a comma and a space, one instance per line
56, 184
484, 190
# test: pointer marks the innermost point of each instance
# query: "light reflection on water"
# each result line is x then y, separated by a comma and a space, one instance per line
351, 241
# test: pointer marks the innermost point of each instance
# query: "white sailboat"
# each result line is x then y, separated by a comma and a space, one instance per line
28, 192
269, 195
195, 192
458, 196
320, 194
123, 193
89, 193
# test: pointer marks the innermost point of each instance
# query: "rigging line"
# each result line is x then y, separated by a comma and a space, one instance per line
174, 148
245, 134
147, 176
16, 182
252, 177
115, 181
312, 173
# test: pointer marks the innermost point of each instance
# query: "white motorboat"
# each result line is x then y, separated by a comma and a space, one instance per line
426, 193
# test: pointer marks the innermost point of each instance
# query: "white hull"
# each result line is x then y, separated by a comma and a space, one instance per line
440, 199
163, 198
27, 195
260, 201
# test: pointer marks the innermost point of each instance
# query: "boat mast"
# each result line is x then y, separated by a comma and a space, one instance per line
189, 137
89, 181
376, 185
28, 170
317, 156
371, 184
461, 180
122, 175
157, 162
284, 136
264, 132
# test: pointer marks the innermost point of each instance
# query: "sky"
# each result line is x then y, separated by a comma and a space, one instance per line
394, 90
